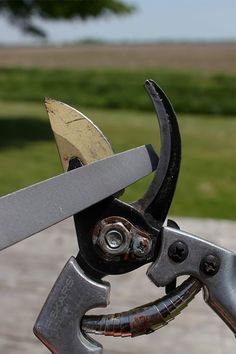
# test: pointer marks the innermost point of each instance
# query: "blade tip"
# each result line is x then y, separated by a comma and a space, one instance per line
50, 101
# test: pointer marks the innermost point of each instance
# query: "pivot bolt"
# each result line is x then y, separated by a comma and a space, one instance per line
114, 238
178, 251
210, 265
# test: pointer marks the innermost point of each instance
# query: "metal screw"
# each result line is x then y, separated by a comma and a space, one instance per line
178, 251
210, 265
141, 247
114, 238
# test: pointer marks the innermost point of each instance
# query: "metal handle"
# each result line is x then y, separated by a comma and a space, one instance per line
220, 292
214, 266
58, 325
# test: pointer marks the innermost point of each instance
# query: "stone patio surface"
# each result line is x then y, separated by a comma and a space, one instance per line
30, 268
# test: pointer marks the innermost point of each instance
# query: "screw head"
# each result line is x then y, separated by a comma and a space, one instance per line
141, 247
210, 265
178, 251
114, 238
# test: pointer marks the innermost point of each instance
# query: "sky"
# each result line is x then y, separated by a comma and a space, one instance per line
154, 20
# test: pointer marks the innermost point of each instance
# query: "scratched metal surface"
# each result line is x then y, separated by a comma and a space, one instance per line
29, 269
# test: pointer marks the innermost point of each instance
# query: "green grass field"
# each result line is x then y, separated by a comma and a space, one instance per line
207, 184
189, 91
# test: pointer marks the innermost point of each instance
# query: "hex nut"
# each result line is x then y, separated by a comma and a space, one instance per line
109, 233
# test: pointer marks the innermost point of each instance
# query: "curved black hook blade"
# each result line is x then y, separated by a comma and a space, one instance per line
157, 199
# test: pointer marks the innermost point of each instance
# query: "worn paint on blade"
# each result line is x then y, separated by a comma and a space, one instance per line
76, 135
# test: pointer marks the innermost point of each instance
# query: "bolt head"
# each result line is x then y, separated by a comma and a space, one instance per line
114, 238
141, 247
210, 265
178, 251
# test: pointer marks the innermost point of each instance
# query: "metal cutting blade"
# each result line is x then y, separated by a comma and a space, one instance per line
76, 135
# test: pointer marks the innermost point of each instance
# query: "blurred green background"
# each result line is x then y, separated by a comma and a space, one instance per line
105, 82
116, 101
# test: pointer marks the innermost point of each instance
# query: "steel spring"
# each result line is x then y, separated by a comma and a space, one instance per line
144, 319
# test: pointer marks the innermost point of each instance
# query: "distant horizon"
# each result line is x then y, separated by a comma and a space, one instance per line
101, 41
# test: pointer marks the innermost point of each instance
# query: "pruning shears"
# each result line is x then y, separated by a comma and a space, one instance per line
115, 237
